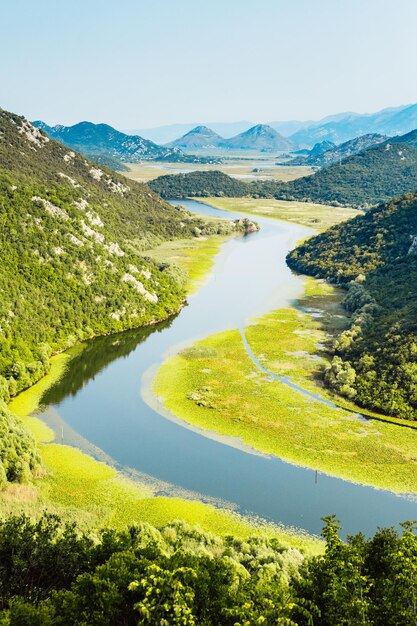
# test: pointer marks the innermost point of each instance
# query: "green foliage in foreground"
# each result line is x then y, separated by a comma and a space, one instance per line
18, 454
373, 255
51, 574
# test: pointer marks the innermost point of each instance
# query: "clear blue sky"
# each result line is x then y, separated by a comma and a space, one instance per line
141, 63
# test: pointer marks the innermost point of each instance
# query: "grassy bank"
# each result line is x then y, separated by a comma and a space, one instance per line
93, 493
194, 256
318, 216
217, 386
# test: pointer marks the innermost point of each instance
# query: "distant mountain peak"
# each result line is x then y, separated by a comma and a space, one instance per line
261, 137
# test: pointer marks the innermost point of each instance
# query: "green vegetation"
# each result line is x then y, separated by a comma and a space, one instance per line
362, 180
374, 257
51, 574
82, 489
317, 216
199, 184
194, 256
218, 387
71, 252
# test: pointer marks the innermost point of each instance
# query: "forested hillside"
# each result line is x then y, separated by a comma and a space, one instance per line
375, 257
199, 184
362, 180
72, 236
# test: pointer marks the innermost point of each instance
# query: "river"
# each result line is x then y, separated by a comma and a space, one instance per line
104, 399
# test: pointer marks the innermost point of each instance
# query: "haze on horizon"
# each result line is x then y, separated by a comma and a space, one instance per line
141, 64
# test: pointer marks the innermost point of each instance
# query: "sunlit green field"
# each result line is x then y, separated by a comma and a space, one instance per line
217, 386
80, 488
317, 216
195, 257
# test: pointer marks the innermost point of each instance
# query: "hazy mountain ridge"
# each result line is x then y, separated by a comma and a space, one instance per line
391, 121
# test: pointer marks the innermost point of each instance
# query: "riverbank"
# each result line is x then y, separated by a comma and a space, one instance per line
217, 386
195, 257
317, 216
80, 488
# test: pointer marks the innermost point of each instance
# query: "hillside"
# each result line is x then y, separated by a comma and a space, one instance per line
319, 157
362, 180
70, 258
105, 142
261, 138
346, 126
376, 360
198, 138
195, 184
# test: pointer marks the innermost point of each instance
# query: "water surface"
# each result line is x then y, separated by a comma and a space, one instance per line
101, 398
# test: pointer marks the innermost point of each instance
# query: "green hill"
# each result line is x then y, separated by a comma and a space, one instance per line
362, 180
72, 235
199, 184
375, 257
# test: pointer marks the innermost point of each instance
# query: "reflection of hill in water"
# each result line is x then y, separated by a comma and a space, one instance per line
97, 354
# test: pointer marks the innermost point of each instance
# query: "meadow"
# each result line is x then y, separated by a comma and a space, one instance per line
255, 167
217, 386
317, 216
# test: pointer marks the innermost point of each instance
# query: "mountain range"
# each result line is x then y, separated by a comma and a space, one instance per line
103, 142
392, 121
326, 152
337, 128
361, 180
260, 138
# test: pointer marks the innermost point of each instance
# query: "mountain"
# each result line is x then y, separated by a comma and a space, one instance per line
166, 134
376, 359
362, 180
326, 152
105, 142
198, 138
322, 146
71, 262
260, 138
346, 126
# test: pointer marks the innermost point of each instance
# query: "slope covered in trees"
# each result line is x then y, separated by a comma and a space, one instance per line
53, 575
375, 257
72, 236
199, 184
362, 180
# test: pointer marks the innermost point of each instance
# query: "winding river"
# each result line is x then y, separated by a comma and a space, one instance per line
104, 400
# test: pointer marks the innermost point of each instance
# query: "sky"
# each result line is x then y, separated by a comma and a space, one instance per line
145, 63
